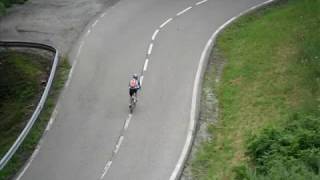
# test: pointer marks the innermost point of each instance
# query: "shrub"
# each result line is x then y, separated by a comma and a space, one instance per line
286, 153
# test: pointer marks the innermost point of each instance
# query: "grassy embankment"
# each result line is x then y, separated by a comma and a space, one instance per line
8, 3
20, 89
269, 97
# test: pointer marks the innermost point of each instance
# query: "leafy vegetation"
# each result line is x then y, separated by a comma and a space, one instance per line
20, 88
36, 132
269, 95
8, 3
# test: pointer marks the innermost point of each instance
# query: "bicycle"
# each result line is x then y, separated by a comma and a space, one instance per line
133, 102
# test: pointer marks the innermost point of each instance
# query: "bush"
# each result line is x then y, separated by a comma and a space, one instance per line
285, 153
279, 171
7, 3
2, 8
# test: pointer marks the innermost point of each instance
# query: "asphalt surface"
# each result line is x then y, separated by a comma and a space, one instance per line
56, 22
93, 109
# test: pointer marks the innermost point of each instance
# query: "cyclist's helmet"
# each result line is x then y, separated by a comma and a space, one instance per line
135, 76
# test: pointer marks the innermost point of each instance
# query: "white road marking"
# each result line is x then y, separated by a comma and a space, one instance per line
118, 145
106, 168
26, 167
102, 15
80, 48
145, 65
165, 23
183, 11
71, 72
141, 80
193, 113
155, 34
126, 124
201, 2
88, 32
150, 48
94, 24
52, 119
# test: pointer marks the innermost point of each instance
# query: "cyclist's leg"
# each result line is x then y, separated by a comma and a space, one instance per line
135, 95
131, 93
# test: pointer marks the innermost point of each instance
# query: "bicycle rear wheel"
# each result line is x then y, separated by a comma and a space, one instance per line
132, 104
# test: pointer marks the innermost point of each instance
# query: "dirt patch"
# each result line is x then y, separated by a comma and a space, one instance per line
208, 108
55, 22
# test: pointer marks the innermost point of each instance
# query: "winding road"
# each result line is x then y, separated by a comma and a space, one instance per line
91, 135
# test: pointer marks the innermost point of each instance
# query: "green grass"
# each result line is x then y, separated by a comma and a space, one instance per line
36, 132
272, 72
8, 3
20, 89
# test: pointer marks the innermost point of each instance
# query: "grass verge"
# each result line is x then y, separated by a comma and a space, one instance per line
270, 84
21, 75
37, 130
8, 3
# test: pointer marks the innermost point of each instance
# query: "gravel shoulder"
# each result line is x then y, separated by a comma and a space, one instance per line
208, 108
55, 22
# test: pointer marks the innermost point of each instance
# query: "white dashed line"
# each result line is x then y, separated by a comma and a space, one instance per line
94, 24
155, 34
150, 48
145, 65
106, 168
126, 124
88, 32
183, 11
116, 150
201, 2
165, 23
102, 15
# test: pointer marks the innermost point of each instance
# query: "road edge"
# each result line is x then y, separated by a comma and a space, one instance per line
194, 113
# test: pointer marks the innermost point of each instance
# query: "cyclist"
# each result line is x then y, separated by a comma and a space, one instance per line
134, 86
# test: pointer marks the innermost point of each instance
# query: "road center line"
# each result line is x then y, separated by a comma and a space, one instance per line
102, 15
106, 168
155, 34
201, 2
126, 124
118, 144
165, 23
146, 65
183, 11
95, 23
150, 48
88, 32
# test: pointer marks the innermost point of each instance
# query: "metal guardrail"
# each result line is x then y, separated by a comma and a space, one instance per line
5, 159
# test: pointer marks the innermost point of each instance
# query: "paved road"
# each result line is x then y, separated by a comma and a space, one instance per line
94, 108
